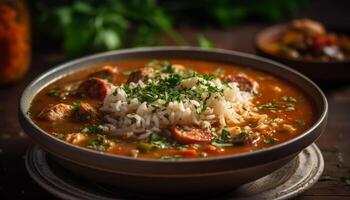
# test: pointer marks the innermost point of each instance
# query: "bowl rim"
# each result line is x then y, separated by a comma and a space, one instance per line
279, 28
23, 113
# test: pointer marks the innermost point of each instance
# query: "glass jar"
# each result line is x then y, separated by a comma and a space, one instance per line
15, 45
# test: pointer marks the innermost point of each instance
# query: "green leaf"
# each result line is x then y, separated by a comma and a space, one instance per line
204, 42
82, 7
111, 39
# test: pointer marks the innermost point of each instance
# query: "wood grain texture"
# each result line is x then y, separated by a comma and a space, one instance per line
15, 183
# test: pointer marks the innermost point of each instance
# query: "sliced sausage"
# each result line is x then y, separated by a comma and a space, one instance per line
142, 75
56, 112
108, 73
94, 88
244, 83
188, 135
86, 113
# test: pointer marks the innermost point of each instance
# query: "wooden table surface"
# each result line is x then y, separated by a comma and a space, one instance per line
15, 183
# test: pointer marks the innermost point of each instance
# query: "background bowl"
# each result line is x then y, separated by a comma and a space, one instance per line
316, 70
182, 176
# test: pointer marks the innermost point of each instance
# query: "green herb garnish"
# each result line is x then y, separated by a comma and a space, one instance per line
52, 93
92, 130
300, 122
270, 140
61, 136
76, 105
98, 144
269, 106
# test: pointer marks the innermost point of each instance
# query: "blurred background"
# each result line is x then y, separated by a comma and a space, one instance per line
76, 28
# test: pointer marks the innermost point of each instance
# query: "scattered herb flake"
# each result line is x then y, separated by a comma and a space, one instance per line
270, 140
76, 105
52, 93
269, 106
219, 71
300, 122
92, 130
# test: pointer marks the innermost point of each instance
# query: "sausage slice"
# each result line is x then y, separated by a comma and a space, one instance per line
94, 88
108, 73
142, 75
244, 83
188, 135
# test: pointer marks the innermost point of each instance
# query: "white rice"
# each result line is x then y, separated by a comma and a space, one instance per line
133, 118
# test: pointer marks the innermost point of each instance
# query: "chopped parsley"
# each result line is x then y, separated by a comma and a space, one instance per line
224, 140
92, 130
269, 106
300, 122
98, 144
61, 136
155, 141
76, 105
270, 140
168, 87
219, 71
52, 93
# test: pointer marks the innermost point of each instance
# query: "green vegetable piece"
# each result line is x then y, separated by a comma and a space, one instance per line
300, 122
145, 147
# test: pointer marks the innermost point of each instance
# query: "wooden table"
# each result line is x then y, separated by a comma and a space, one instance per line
15, 183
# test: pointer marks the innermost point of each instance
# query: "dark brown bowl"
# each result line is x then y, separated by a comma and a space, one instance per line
322, 71
182, 176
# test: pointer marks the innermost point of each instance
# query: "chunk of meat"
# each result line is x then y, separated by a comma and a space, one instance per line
188, 135
244, 83
77, 138
94, 88
142, 75
86, 113
56, 112
107, 72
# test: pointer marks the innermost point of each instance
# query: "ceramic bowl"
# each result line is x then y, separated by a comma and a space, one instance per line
180, 176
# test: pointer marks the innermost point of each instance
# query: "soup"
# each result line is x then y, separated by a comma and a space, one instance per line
173, 109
